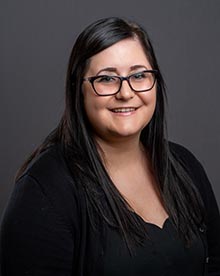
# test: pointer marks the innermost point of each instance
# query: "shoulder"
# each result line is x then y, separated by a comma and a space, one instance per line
187, 159
182, 152
49, 165
40, 228
195, 170
49, 174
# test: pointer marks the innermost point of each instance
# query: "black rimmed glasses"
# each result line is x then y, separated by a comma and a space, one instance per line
107, 85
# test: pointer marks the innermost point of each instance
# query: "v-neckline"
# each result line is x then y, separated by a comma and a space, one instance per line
161, 228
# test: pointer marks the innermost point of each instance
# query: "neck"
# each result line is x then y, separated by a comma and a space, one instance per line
121, 153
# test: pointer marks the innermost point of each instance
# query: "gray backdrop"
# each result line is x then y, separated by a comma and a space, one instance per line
36, 39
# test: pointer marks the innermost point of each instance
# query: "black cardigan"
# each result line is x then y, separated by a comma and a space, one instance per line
46, 231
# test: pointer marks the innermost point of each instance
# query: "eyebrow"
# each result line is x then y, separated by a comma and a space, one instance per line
113, 69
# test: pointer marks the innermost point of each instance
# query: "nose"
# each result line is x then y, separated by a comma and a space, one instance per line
125, 93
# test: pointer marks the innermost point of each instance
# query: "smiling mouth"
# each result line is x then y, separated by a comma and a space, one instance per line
123, 110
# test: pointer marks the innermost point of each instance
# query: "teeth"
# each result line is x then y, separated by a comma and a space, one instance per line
121, 110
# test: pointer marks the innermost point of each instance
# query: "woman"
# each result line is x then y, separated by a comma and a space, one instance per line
106, 193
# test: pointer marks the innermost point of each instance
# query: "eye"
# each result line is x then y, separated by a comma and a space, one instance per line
106, 79
139, 76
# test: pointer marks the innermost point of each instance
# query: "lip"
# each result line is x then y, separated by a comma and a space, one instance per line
123, 110
123, 107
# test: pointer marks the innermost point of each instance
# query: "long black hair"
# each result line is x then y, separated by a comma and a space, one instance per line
75, 135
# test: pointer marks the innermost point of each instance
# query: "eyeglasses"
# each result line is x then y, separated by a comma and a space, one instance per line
106, 85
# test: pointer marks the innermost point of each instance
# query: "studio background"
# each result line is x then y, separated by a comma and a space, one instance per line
36, 40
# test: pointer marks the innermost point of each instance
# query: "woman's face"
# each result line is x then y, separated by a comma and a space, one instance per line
126, 113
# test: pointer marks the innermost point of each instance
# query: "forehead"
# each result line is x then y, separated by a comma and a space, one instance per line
122, 55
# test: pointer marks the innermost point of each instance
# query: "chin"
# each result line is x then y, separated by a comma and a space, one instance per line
130, 130
126, 133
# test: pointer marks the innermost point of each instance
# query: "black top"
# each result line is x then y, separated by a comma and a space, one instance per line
46, 230
162, 254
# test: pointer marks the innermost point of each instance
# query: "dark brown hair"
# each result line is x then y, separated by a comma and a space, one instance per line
79, 148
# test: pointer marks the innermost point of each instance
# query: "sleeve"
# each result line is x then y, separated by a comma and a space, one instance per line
35, 240
199, 176
213, 223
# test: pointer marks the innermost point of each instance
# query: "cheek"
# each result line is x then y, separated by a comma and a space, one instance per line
89, 100
90, 108
149, 99
154, 100
92, 104
94, 108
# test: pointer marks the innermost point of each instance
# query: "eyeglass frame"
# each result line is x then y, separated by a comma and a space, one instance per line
121, 78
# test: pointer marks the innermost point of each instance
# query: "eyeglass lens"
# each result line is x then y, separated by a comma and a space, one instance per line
141, 81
